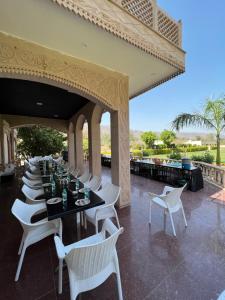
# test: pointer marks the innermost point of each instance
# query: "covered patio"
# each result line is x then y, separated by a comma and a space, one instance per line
153, 264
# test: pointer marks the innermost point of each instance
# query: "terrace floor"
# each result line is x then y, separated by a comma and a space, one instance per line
153, 263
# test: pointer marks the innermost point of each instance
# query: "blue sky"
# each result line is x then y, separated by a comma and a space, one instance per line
204, 42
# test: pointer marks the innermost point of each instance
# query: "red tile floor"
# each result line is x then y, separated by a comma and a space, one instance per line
154, 265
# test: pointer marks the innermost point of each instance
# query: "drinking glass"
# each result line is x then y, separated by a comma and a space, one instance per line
86, 193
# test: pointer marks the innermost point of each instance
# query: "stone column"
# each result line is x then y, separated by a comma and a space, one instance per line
120, 164
12, 142
94, 140
78, 142
71, 146
2, 154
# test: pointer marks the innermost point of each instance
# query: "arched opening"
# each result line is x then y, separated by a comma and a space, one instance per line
106, 146
85, 141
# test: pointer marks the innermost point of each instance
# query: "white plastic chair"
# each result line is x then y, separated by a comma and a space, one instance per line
94, 184
221, 296
32, 194
110, 194
90, 261
170, 201
86, 176
32, 232
32, 176
34, 169
75, 172
33, 184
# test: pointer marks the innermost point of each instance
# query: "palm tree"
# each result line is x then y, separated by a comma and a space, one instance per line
212, 117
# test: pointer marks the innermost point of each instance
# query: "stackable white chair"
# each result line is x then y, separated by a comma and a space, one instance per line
75, 172
32, 176
33, 184
90, 261
35, 170
110, 194
86, 176
169, 201
32, 194
94, 184
221, 296
32, 232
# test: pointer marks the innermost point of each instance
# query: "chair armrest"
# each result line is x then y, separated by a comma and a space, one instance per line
152, 195
101, 209
167, 189
109, 227
60, 249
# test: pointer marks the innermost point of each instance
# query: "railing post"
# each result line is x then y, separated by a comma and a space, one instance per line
223, 179
180, 33
154, 14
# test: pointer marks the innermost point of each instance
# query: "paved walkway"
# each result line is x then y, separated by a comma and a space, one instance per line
154, 265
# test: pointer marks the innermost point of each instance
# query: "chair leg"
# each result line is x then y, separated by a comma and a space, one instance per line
150, 212
171, 219
117, 219
60, 276
20, 262
96, 226
21, 244
185, 221
85, 222
119, 286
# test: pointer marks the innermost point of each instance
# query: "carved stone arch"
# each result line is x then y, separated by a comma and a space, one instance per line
15, 121
25, 60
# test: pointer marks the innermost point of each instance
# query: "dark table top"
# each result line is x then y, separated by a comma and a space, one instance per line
61, 209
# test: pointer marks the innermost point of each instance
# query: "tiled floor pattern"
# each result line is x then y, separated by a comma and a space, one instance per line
154, 265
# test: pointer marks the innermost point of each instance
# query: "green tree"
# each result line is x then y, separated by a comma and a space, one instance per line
148, 137
167, 136
39, 141
212, 117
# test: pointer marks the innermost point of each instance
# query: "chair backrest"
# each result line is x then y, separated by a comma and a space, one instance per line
32, 176
21, 211
86, 261
109, 193
32, 183
85, 176
31, 193
173, 198
95, 183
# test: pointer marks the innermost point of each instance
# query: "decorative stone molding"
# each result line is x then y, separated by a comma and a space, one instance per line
113, 18
21, 121
24, 59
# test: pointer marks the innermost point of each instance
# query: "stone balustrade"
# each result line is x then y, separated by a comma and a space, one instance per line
211, 173
148, 12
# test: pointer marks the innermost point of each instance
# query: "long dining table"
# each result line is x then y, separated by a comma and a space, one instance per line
68, 207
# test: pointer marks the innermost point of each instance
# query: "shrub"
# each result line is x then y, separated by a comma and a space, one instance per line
148, 152
138, 153
192, 148
175, 155
206, 157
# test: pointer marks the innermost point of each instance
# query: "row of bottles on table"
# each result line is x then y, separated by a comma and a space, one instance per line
53, 185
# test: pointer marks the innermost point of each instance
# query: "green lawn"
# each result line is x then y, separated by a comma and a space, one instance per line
189, 154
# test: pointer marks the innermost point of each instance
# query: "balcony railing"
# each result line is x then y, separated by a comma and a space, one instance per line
148, 12
211, 173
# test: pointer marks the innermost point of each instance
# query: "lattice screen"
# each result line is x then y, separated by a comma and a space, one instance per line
168, 27
141, 9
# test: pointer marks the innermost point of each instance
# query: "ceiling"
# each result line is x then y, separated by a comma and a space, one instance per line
28, 98
49, 25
